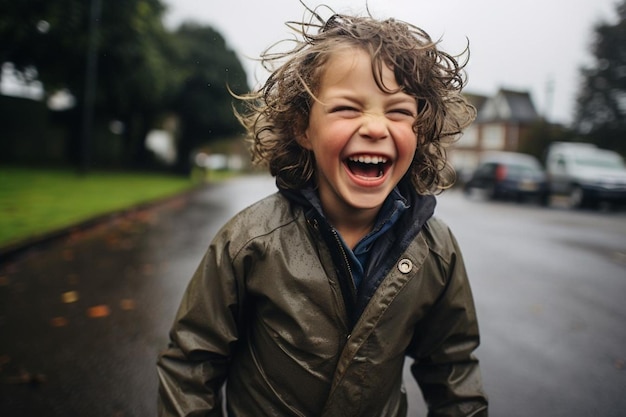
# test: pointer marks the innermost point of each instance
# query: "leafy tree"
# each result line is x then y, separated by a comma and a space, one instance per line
51, 38
204, 103
143, 70
540, 135
135, 75
601, 104
47, 40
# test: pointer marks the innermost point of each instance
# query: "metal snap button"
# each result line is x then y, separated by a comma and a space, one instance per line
405, 266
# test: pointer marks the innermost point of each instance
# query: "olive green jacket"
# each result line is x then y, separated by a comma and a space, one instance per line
269, 316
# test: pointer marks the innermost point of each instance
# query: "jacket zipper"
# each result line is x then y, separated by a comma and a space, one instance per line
351, 303
348, 299
346, 262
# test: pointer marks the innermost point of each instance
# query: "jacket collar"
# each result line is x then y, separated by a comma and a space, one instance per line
419, 208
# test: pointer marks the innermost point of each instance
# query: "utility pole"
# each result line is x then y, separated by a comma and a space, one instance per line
549, 96
91, 78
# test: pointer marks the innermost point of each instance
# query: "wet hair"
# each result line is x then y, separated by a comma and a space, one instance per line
278, 112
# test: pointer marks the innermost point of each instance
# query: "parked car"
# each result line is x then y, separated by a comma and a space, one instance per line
509, 175
586, 174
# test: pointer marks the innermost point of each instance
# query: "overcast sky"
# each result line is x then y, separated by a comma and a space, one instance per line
524, 45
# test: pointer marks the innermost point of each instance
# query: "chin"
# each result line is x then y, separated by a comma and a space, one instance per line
367, 202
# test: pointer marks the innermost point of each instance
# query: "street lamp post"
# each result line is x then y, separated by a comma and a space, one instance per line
91, 76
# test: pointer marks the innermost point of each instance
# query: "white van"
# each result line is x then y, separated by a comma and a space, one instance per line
586, 174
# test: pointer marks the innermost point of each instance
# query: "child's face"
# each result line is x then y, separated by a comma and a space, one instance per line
362, 137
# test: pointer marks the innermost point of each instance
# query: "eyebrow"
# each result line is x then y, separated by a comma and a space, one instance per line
348, 94
403, 98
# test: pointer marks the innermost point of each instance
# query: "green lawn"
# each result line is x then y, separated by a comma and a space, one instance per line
34, 202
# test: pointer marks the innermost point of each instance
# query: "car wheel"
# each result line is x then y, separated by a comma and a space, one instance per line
577, 197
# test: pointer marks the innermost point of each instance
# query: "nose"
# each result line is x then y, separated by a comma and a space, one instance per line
374, 127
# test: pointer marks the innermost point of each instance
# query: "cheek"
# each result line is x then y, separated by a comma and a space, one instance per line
327, 139
407, 145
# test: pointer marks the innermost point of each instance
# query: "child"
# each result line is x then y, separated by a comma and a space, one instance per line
307, 302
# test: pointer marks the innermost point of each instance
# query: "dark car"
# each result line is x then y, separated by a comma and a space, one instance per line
509, 175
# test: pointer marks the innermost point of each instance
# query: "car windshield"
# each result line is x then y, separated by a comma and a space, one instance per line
600, 161
523, 169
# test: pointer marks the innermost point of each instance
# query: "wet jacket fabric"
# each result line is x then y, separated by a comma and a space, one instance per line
272, 317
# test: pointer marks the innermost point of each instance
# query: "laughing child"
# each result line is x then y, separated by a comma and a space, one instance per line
308, 302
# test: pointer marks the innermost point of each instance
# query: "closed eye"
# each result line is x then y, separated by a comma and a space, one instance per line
400, 113
406, 112
347, 111
342, 108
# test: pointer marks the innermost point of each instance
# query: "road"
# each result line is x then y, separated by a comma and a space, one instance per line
82, 319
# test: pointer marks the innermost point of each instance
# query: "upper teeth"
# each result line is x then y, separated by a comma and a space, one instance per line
367, 159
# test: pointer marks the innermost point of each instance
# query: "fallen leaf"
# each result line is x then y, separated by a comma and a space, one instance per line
98, 311
112, 241
127, 304
58, 322
70, 297
620, 364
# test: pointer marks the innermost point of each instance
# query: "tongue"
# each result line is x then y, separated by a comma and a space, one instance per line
364, 170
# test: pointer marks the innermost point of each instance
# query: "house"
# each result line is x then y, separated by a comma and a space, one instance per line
501, 124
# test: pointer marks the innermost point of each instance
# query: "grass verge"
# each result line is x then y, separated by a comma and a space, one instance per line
34, 202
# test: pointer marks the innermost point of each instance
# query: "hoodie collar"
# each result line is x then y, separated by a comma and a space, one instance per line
404, 204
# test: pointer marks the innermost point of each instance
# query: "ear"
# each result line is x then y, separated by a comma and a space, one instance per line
304, 141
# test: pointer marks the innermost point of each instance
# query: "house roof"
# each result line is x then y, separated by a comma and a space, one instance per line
510, 106
476, 100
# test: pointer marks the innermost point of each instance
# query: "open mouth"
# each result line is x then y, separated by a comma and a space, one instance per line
368, 166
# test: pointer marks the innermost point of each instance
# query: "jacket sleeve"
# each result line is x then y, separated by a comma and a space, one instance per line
194, 367
445, 367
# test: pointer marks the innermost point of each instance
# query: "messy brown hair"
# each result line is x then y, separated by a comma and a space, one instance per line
278, 112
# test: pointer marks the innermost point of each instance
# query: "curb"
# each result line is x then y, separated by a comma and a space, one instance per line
13, 250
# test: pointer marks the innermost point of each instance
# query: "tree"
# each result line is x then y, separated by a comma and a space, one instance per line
143, 70
48, 39
601, 102
540, 135
51, 39
135, 74
49, 36
204, 103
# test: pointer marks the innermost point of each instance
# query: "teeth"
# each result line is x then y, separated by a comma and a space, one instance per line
369, 159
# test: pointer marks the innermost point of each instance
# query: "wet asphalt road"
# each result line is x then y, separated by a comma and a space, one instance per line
82, 319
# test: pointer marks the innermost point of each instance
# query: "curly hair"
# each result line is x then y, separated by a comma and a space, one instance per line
278, 112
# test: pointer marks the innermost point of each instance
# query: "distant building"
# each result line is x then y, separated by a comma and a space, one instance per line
500, 125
